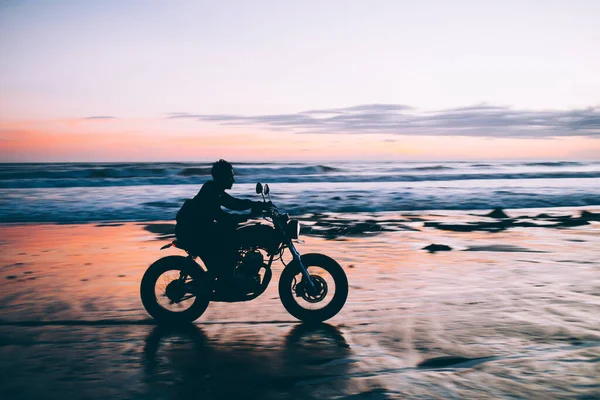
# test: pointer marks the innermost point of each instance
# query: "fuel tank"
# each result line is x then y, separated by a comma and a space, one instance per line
261, 235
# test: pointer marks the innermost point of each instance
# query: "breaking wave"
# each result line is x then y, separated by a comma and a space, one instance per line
138, 174
82, 192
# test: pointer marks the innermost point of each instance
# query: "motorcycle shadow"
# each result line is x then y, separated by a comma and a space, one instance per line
183, 360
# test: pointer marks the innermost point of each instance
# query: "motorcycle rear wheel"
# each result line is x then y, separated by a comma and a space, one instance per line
291, 277
148, 291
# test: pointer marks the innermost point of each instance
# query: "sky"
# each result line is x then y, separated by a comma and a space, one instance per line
311, 80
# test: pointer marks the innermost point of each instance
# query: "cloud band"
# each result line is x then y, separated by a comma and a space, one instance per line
395, 119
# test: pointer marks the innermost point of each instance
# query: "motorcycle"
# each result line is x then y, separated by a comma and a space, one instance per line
312, 287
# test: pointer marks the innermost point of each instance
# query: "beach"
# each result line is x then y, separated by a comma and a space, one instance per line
511, 310
437, 164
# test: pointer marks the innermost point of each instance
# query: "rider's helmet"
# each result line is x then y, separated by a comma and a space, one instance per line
222, 173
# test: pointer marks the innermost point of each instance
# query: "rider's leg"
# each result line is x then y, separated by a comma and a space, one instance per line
202, 246
229, 258
220, 254
227, 250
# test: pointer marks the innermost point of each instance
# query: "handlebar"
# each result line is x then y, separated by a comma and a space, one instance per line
269, 209
265, 209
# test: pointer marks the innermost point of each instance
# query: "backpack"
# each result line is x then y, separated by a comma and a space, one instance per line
186, 214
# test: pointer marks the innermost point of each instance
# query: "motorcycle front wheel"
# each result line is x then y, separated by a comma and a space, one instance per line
167, 290
329, 296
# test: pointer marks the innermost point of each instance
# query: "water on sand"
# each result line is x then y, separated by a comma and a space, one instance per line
510, 313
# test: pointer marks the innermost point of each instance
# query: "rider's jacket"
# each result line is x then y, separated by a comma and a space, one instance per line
204, 210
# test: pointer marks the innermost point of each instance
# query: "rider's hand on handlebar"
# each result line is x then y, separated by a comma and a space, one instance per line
256, 210
259, 208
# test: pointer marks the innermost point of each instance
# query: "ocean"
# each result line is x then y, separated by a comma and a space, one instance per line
86, 192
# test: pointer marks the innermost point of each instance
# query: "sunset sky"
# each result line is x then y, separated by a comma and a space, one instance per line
307, 80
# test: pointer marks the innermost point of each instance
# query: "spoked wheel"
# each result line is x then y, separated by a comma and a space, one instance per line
325, 300
167, 290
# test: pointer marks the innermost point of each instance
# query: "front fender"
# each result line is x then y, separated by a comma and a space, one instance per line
311, 259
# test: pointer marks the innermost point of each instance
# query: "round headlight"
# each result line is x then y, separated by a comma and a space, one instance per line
293, 228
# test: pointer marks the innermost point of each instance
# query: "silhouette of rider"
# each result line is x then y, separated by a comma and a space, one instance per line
205, 229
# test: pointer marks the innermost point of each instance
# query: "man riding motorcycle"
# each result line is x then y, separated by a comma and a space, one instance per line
205, 229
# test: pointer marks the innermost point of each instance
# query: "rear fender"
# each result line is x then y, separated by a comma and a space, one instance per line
172, 244
187, 264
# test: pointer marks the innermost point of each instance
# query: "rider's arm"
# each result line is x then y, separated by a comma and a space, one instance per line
224, 217
232, 203
208, 204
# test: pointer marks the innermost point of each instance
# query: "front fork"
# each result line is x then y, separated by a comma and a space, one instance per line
303, 269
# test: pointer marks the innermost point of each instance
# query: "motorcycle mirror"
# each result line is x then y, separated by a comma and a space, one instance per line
259, 188
267, 190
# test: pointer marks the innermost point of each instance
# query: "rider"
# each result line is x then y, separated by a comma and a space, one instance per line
205, 229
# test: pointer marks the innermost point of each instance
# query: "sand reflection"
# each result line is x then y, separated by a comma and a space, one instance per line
187, 361
511, 313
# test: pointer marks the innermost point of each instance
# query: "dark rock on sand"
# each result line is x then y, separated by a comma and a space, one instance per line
526, 224
375, 394
589, 216
472, 226
452, 362
432, 248
366, 227
571, 222
322, 223
497, 213
549, 217
334, 229
559, 219
402, 227
161, 229
506, 248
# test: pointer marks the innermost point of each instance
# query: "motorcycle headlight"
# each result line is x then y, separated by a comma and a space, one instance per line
292, 228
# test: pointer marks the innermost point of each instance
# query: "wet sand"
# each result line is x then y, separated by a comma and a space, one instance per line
503, 313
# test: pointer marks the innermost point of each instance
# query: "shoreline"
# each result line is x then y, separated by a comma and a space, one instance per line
432, 212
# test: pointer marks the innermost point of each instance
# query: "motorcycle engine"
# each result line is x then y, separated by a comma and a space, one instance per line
251, 263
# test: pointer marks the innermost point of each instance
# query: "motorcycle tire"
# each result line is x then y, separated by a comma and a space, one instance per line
148, 294
287, 295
